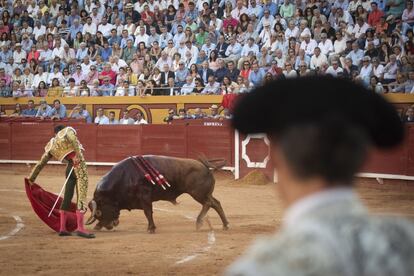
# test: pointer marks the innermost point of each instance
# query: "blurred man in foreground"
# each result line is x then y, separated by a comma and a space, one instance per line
321, 129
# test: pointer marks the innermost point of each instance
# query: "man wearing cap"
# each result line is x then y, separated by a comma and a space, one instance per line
107, 88
365, 72
214, 112
18, 53
130, 12
317, 150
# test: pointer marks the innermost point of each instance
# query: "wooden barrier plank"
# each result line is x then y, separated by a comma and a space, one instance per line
164, 140
5, 141
29, 140
213, 142
387, 161
114, 143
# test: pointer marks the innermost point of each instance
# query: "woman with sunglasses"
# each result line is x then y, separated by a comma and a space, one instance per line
245, 71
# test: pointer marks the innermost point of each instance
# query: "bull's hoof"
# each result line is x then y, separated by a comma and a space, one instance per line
151, 231
226, 227
97, 227
199, 224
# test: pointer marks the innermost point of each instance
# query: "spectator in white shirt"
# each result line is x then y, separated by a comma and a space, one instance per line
339, 45
89, 27
292, 30
325, 45
267, 18
140, 119
334, 69
188, 86
308, 44
265, 34
141, 36
317, 59
208, 46
233, 51
254, 9
100, 118
377, 68
360, 27
18, 53
239, 10
366, 71
105, 28
217, 23
249, 47
38, 30
40, 76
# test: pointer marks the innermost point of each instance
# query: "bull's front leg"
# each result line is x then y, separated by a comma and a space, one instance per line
147, 207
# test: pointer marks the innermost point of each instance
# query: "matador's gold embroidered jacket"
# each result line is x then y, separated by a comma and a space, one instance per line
65, 143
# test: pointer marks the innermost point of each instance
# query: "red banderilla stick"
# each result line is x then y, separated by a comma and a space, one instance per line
151, 171
146, 174
159, 177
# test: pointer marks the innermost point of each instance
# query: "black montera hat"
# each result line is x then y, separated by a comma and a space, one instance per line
276, 106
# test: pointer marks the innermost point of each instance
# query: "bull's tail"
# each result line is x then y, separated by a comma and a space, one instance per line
212, 164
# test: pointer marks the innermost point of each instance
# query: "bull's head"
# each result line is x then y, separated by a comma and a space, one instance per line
106, 214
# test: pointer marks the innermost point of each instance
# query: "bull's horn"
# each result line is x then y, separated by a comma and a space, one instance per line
93, 207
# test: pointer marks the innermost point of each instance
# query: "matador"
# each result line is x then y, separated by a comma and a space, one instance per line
65, 147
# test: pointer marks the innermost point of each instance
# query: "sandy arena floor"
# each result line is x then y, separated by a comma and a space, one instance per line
175, 249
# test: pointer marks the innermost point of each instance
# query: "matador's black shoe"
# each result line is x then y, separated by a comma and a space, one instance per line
64, 233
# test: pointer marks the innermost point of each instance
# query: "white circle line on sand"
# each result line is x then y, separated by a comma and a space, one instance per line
211, 240
12, 190
19, 226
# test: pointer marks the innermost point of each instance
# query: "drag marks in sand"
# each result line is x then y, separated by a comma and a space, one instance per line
211, 239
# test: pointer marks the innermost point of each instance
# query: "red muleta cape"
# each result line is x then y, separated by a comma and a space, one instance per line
42, 202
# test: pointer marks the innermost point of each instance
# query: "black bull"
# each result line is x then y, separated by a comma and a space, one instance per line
125, 187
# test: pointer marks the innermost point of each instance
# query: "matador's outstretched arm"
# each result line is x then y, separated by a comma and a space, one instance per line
39, 166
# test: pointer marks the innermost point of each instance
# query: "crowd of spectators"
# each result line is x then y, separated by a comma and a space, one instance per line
171, 47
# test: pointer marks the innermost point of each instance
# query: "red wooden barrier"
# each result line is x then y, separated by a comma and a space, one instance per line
214, 142
164, 140
114, 143
5, 141
29, 140
26, 141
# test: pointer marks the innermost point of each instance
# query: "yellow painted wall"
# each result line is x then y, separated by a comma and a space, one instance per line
158, 113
